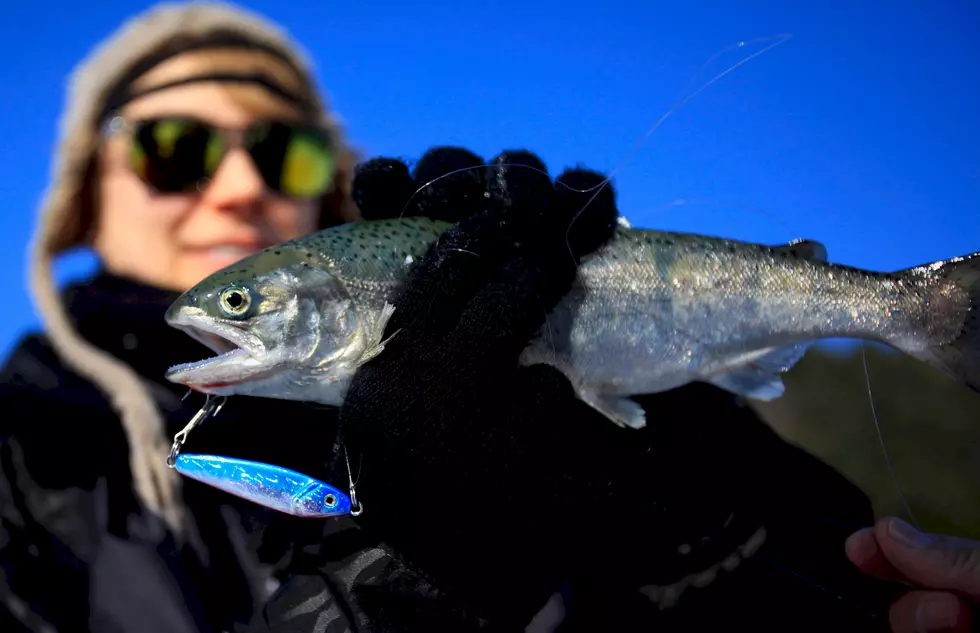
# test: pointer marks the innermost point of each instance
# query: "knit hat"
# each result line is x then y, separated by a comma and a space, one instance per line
66, 218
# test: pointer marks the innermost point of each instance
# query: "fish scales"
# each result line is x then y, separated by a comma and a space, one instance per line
653, 308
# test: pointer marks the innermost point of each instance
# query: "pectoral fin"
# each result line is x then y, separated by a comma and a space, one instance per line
751, 383
378, 331
621, 410
759, 378
780, 359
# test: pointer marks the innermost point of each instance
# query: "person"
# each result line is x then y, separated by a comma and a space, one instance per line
194, 135
96, 536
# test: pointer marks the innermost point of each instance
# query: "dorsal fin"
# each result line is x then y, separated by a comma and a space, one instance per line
806, 249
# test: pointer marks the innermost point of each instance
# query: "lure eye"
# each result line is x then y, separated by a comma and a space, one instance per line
235, 302
330, 501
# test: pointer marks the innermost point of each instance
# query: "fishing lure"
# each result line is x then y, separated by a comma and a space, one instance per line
268, 485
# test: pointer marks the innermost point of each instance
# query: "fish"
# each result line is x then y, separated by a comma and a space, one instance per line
267, 485
647, 312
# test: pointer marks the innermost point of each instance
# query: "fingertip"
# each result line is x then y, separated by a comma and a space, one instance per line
865, 552
930, 612
522, 157
452, 181
579, 186
381, 188
441, 160
519, 179
895, 530
588, 201
861, 547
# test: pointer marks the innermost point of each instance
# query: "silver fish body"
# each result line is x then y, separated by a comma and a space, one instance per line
648, 311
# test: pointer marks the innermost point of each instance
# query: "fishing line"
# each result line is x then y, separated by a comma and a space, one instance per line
779, 39
881, 439
738, 205
816, 585
317, 406
772, 42
851, 525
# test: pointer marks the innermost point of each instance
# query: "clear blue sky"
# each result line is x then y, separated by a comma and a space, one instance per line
860, 131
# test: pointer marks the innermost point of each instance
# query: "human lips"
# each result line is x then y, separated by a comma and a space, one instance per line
231, 250
227, 251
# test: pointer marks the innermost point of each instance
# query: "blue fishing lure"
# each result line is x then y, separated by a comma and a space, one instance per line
267, 485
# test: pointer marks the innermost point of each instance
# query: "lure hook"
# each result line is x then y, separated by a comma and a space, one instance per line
210, 408
356, 507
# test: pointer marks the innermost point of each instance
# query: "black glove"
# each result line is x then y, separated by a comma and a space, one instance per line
495, 483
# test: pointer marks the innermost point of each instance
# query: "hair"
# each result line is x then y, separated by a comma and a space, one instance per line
66, 217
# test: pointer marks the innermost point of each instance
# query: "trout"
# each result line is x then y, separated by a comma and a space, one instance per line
649, 311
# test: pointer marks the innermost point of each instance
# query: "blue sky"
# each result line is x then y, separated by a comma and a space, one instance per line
860, 131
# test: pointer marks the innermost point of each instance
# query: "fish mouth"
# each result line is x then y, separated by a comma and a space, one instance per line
238, 352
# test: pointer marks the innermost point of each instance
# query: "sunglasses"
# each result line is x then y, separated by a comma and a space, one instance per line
182, 154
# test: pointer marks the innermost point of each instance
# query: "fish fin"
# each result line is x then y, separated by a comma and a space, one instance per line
780, 359
750, 382
378, 332
958, 358
758, 378
806, 249
620, 409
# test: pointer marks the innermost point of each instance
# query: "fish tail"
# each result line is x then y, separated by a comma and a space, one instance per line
953, 317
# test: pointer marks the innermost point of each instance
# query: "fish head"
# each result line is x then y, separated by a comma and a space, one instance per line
281, 322
320, 500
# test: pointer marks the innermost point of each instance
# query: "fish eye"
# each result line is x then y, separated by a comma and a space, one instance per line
235, 302
330, 500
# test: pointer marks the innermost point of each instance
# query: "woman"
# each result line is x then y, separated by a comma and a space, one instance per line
193, 136
96, 533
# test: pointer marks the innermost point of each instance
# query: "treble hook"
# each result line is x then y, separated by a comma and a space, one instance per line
356, 507
210, 408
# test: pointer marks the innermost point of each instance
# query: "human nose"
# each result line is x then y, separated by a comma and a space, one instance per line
237, 182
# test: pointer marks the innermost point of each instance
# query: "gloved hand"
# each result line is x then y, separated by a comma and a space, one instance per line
496, 484
482, 449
